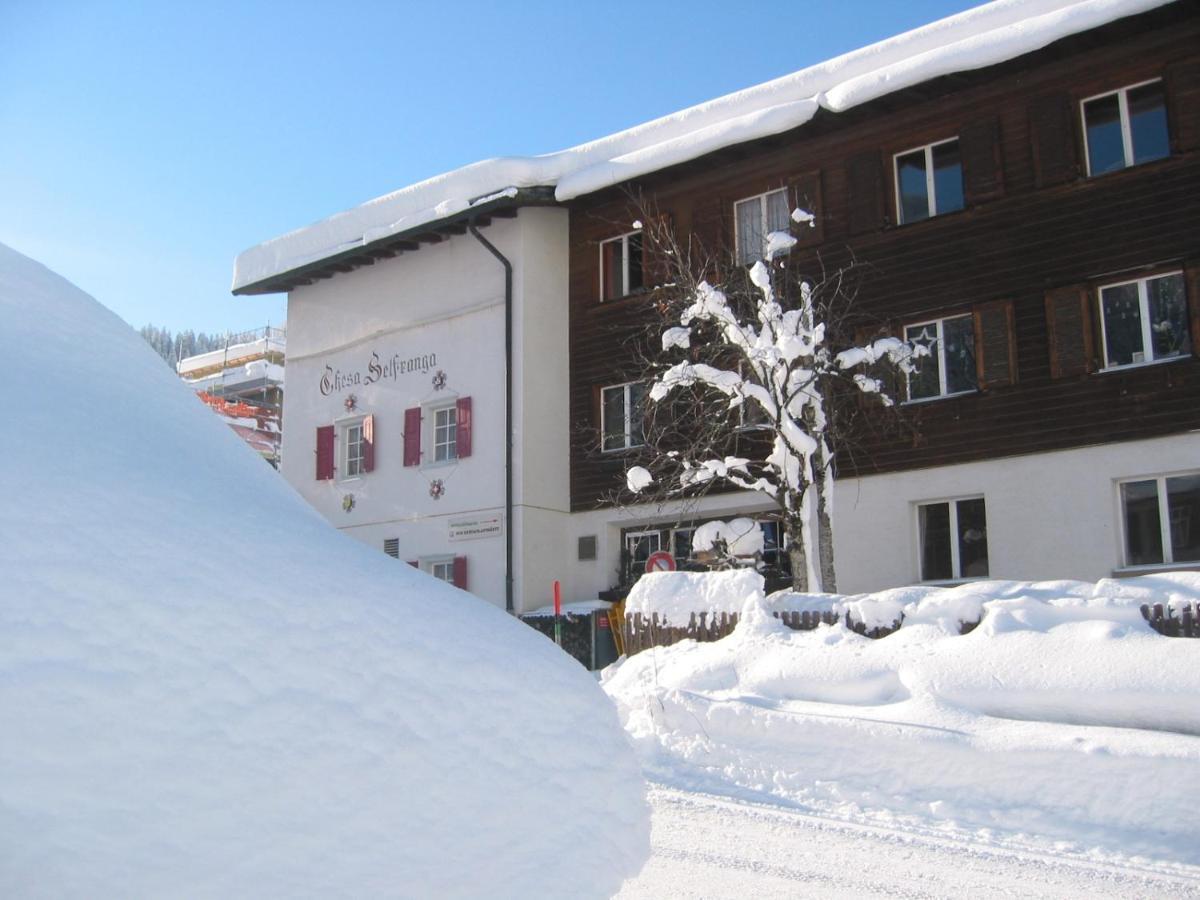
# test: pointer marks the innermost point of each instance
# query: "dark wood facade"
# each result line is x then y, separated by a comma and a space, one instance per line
1035, 233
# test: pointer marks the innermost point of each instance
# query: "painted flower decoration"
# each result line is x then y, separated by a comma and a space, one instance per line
348, 502
439, 380
437, 489
351, 403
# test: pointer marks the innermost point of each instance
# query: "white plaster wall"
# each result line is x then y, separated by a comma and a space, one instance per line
541, 403
1049, 516
445, 300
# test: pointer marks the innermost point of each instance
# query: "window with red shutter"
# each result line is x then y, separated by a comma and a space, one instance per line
325, 441
368, 444
460, 572
464, 427
412, 436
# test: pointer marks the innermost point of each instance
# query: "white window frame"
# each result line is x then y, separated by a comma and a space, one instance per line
956, 574
930, 190
1126, 131
1147, 327
943, 393
628, 444
342, 429
1164, 522
434, 411
762, 222
431, 564
625, 289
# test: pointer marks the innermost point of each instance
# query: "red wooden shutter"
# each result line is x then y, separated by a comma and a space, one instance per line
711, 239
1052, 124
414, 563
412, 436
1183, 89
1069, 321
804, 192
324, 452
368, 438
864, 177
657, 262
983, 176
995, 344
1192, 275
463, 428
460, 572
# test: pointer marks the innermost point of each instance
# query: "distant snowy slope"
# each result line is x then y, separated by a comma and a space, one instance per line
207, 691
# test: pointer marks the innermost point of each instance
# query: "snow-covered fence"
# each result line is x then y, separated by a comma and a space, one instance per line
1173, 621
641, 632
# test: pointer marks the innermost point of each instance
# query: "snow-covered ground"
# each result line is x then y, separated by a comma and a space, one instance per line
717, 848
1053, 741
207, 691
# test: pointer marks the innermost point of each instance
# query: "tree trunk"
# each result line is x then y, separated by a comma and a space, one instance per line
793, 531
825, 540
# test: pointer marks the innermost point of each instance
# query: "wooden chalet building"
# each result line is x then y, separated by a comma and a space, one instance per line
1020, 185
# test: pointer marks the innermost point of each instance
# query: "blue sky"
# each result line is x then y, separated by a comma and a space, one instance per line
143, 145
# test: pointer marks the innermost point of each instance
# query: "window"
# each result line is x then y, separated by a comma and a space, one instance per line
450, 569
1126, 128
353, 450
929, 181
1161, 517
953, 539
445, 434
775, 555
621, 266
1144, 320
638, 547
681, 545
949, 368
621, 409
754, 219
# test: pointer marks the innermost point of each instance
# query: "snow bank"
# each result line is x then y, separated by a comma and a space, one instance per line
674, 596
973, 39
1061, 715
205, 690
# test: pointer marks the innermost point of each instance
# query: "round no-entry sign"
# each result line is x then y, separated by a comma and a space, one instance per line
660, 561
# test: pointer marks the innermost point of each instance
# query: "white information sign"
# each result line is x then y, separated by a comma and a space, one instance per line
475, 528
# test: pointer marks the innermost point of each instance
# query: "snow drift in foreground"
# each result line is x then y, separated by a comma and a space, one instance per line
207, 691
1061, 715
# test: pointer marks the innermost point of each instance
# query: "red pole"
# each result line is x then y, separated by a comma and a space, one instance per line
558, 613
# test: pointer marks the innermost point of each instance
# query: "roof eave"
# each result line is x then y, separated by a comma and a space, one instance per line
433, 232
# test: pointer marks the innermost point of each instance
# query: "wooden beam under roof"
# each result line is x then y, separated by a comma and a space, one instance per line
503, 207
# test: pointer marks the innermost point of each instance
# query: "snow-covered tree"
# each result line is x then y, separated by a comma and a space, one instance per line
754, 385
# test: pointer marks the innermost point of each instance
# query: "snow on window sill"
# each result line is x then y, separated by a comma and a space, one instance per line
1153, 568
1144, 365
939, 397
954, 582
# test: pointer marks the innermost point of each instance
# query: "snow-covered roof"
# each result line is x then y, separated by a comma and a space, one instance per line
979, 37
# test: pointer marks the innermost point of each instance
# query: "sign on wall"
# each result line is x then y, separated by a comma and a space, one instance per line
376, 369
476, 527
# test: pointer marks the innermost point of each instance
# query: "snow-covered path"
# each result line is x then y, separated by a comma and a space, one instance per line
710, 847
